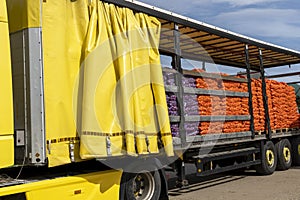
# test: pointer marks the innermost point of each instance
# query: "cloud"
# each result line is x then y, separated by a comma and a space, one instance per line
274, 21
244, 2
262, 22
188, 8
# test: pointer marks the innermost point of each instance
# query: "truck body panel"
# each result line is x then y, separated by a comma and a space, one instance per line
103, 185
28, 94
6, 107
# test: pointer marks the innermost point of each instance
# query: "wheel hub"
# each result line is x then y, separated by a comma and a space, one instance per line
270, 157
144, 186
287, 154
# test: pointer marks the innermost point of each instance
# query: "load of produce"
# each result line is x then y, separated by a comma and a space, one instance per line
281, 99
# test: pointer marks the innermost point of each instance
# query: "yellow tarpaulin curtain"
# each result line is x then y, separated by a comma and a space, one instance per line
23, 14
64, 29
103, 85
124, 105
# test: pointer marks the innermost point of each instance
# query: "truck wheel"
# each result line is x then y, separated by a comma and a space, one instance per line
268, 160
296, 150
284, 152
144, 185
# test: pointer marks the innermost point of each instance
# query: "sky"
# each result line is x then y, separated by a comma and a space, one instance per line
273, 21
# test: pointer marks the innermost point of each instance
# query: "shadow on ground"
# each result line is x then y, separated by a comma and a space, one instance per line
198, 183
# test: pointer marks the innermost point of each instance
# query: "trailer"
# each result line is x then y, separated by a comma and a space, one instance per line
88, 112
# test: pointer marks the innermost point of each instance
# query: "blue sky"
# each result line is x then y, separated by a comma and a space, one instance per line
274, 21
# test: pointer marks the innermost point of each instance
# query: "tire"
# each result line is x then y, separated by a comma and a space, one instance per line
144, 185
284, 154
296, 150
268, 160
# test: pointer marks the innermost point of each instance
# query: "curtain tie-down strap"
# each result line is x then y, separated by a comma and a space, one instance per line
108, 146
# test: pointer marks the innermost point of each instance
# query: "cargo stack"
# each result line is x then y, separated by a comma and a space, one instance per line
281, 103
258, 105
237, 106
169, 79
191, 128
278, 97
234, 86
270, 105
236, 126
190, 102
208, 83
172, 104
284, 106
190, 105
220, 106
175, 129
210, 127
211, 105
292, 109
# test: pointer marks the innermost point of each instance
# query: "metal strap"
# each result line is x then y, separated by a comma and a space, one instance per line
108, 146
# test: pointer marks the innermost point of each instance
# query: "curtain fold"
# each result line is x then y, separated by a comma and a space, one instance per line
104, 92
124, 105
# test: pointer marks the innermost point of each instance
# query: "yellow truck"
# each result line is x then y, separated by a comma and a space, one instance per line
83, 112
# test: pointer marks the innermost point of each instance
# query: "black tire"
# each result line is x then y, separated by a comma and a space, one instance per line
296, 150
144, 185
284, 154
268, 160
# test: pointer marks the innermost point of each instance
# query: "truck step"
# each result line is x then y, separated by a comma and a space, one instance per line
227, 154
8, 181
202, 160
228, 168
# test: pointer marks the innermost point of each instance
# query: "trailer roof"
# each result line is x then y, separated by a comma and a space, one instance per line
199, 39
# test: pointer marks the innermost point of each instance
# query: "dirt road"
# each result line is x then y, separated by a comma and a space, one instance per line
282, 185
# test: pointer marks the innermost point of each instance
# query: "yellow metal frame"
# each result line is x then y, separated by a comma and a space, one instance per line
6, 105
99, 185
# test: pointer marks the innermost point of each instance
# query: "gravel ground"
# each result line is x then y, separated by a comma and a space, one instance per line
282, 185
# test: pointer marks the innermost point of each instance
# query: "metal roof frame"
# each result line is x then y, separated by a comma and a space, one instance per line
284, 75
188, 26
291, 83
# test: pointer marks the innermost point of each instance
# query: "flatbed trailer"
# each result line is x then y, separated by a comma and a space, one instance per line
143, 177
185, 38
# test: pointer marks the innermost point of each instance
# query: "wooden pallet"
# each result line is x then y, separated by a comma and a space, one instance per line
281, 130
260, 132
276, 131
284, 130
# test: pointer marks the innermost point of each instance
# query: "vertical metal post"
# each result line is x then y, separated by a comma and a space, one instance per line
264, 93
250, 103
180, 167
178, 80
204, 65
